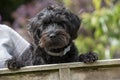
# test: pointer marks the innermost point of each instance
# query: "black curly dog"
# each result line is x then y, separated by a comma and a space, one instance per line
53, 31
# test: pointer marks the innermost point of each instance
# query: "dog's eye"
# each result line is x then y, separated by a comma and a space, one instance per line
63, 25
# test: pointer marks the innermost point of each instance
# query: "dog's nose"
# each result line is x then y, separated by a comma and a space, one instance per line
52, 35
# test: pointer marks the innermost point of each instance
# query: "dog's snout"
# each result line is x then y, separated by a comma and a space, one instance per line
52, 35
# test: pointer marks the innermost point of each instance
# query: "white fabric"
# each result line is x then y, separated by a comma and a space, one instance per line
11, 44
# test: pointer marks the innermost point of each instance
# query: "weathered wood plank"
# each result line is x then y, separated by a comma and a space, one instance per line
100, 70
99, 63
112, 73
64, 74
42, 75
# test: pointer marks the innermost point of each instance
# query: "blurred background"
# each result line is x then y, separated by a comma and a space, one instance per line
99, 31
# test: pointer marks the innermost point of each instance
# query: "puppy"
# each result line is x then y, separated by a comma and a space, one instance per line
53, 30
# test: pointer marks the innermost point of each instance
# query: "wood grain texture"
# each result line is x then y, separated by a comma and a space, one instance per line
100, 70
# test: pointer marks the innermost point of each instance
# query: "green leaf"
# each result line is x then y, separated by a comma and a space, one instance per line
67, 2
97, 4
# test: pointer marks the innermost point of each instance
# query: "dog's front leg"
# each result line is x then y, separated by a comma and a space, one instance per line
89, 57
14, 64
20, 61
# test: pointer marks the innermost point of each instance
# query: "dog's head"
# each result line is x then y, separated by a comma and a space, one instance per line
54, 28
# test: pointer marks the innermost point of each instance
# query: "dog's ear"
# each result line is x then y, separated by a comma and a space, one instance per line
31, 26
34, 28
76, 22
73, 23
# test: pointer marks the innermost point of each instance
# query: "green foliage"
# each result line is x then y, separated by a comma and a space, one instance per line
97, 4
67, 2
104, 26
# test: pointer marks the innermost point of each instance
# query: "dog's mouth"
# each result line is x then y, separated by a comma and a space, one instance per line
58, 51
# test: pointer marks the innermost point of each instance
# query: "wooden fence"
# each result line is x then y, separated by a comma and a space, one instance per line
100, 70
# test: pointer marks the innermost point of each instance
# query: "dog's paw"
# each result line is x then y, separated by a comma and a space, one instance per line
89, 57
13, 64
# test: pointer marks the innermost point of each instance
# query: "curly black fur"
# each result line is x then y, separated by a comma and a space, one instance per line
53, 31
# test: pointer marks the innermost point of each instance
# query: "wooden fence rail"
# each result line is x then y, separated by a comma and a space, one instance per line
100, 70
